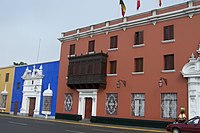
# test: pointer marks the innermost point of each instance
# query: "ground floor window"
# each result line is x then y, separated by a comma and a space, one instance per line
137, 104
3, 99
47, 103
68, 102
168, 105
112, 103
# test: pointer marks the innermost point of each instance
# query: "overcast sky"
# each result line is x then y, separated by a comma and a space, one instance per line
26, 24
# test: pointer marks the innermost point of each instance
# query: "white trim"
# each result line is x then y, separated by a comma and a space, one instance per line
112, 49
111, 75
137, 73
138, 45
168, 71
73, 55
135, 23
87, 93
168, 41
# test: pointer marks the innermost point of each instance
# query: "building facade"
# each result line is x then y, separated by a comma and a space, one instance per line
6, 85
130, 69
35, 90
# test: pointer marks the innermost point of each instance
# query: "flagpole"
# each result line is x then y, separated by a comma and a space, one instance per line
38, 50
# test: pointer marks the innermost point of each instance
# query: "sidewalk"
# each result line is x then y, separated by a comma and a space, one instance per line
88, 123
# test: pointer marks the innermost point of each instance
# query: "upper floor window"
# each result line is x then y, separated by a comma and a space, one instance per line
169, 62
18, 85
72, 49
113, 67
113, 42
138, 64
91, 46
7, 77
139, 37
169, 32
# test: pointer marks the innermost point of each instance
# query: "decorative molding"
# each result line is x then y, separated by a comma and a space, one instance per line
168, 71
111, 75
138, 45
168, 41
137, 73
190, 11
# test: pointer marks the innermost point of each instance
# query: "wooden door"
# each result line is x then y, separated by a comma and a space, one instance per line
16, 107
31, 107
88, 108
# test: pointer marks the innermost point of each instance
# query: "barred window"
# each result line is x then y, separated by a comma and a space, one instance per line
3, 99
111, 103
68, 102
168, 105
138, 104
47, 103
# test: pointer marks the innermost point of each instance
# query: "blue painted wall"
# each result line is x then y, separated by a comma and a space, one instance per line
50, 72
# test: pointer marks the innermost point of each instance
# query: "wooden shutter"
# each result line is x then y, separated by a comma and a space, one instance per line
113, 42
91, 46
169, 62
72, 49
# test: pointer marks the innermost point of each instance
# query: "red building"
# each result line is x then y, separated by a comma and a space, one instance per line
129, 70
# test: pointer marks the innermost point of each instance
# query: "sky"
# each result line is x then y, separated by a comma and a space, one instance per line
29, 29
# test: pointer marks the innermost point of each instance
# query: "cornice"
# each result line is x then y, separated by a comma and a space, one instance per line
153, 19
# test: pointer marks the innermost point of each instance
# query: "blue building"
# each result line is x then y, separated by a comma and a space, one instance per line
35, 90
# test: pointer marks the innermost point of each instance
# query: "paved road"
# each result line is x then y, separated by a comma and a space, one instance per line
10, 124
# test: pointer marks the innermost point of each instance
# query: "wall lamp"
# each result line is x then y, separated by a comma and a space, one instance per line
160, 83
118, 84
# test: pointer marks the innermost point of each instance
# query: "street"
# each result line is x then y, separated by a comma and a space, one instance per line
10, 124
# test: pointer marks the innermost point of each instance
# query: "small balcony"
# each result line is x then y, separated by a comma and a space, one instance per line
87, 71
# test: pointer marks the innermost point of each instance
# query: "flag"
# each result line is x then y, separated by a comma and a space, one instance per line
160, 2
123, 7
138, 4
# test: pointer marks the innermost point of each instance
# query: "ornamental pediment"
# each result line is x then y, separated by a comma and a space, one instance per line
192, 68
33, 74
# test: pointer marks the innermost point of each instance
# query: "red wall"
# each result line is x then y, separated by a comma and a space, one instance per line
186, 35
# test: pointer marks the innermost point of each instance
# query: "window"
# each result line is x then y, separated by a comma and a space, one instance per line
72, 49
113, 42
139, 37
18, 85
3, 99
138, 64
91, 45
113, 67
169, 32
68, 102
111, 103
169, 62
47, 103
168, 105
7, 77
138, 104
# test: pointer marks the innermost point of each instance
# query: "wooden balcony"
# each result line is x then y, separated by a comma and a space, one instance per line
87, 71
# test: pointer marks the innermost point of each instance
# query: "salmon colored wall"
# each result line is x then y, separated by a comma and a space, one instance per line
186, 34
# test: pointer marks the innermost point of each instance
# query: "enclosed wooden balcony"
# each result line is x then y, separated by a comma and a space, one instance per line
87, 71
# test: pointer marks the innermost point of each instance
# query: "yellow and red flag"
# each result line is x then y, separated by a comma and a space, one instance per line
123, 7
138, 4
